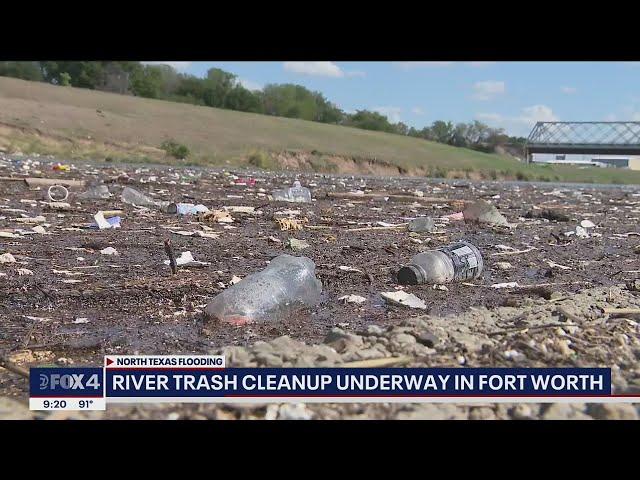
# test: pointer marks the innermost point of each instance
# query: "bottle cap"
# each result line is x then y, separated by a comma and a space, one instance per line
409, 275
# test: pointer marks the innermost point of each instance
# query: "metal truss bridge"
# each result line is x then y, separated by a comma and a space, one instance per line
607, 138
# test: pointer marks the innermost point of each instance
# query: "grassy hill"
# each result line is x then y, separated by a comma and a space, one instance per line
78, 123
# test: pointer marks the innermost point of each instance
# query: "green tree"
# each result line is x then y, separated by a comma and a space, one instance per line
441, 131
24, 70
369, 120
65, 79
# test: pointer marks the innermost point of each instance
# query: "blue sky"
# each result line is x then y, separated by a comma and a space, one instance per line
511, 95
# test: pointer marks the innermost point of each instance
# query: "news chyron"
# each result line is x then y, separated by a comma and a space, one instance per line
83, 388
205, 379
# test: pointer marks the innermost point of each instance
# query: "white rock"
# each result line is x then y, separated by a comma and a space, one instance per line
503, 265
352, 299
403, 298
109, 251
7, 258
587, 224
581, 232
235, 279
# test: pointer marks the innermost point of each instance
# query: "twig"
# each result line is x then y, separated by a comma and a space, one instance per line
535, 327
12, 367
168, 248
624, 311
401, 226
377, 362
514, 252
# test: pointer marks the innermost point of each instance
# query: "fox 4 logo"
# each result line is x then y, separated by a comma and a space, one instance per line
70, 381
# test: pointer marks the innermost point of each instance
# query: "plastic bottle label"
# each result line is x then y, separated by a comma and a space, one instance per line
465, 262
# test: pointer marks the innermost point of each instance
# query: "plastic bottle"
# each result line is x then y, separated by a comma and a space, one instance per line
186, 208
456, 262
297, 193
95, 192
288, 282
134, 197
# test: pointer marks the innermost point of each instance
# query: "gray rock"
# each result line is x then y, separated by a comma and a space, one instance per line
484, 212
340, 340
613, 411
422, 224
404, 338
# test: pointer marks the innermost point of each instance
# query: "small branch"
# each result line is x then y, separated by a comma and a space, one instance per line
377, 362
12, 367
168, 248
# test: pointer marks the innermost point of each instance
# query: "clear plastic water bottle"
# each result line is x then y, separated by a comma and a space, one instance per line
95, 192
454, 263
287, 283
297, 193
134, 197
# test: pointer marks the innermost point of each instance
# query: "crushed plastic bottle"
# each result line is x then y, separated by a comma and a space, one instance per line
453, 263
288, 282
134, 197
297, 193
95, 192
186, 208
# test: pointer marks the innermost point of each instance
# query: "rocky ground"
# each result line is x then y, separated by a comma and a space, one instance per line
545, 297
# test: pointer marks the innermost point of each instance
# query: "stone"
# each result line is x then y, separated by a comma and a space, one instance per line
613, 411
484, 212
357, 299
340, 340
403, 298
421, 224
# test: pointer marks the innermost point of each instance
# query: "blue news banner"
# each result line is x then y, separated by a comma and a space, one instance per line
91, 388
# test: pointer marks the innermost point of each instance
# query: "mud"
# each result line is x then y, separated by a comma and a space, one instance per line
133, 304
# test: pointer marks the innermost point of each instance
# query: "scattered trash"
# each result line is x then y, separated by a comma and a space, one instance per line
352, 299
503, 265
235, 279
289, 223
7, 258
403, 298
421, 224
24, 271
297, 193
39, 229
239, 209
349, 269
80, 320
27, 219
109, 251
587, 224
287, 282
581, 232
296, 245
57, 193
484, 212
105, 224
96, 192
186, 208
456, 262
506, 285
219, 216
61, 167
134, 197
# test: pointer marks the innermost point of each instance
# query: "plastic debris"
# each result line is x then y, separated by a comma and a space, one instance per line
296, 245
456, 262
96, 192
421, 224
587, 224
134, 197
484, 212
288, 282
297, 193
403, 298
57, 193
105, 224
7, 258
219, 216
186, 208
109, 251
352, 299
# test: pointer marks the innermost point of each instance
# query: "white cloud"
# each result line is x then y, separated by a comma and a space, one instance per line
417, 111
537, 113
520, 124
180, 66
392, 113
320, 69
414, 65
488, 89
568, 90
250, 85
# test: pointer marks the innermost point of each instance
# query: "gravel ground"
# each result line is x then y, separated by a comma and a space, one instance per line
73, 305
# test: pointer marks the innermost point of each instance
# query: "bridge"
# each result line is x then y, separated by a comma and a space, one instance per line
598, 138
